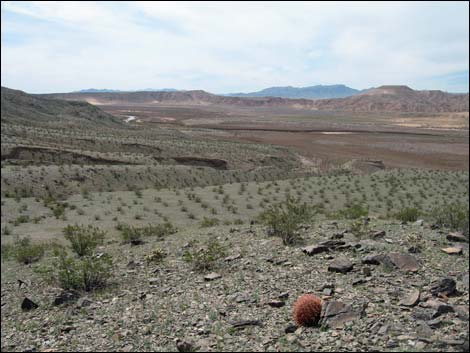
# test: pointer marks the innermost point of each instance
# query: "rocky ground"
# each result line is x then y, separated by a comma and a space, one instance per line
377, 295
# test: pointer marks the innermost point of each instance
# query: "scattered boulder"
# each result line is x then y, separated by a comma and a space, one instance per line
457, 236
373, 259
445, 286
84, 302
185, 346
403, 262
336, 314
411, 299
439, 308
67, 296
340, 264
212, 276
276, 303
28, 305
245, 323
378, 234
452, 250
314, 249
153, 281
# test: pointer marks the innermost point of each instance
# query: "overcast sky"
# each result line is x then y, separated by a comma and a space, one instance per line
233, 47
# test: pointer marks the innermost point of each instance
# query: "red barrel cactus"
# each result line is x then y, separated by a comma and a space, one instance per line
307, 310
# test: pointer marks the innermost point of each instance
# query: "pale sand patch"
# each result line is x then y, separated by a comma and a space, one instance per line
336, 133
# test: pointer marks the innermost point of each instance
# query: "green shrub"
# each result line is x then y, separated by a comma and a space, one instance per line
408, 214
131, 234
353, 211
284, 219
21, 219
85, 273
359, 229
206, 257
453, 216
83, 239
209, 222
27, 252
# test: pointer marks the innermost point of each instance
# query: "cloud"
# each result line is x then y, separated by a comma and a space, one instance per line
226, 47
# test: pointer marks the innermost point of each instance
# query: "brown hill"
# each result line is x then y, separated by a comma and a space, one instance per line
398, 99
381, 99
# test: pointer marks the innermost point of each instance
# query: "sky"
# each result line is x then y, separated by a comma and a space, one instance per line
233, 47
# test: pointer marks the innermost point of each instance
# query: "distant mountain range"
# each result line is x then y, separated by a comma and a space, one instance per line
382, 99
312, 92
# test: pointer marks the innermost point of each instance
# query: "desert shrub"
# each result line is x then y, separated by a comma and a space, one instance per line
453, 216
284, 219
84, 273
156, 256
83, 239
7, 252
408, 214
359, 229
209, 222
131, 235
6, 231
134, 235
21, 219
27, 252
353, 211
204, 258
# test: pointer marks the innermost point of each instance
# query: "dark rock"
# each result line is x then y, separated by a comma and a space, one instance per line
367, 271
373, 259
434, 323
423, 329
332, 244
185, 346
445, 286
245, 323
341, 264
414, 250
359, 281
291, 328
283, 296
84, 302
439, 308
67, 296
153, 281
28, 305
276, 303
424, 314
314, 249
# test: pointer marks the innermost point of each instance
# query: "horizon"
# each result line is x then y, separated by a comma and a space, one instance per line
233, 48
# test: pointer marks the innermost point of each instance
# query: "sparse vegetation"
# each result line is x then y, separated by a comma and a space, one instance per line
83, 239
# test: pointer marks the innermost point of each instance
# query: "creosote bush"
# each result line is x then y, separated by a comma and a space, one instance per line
284, 219
408, 214
209, 222
454, 216
26, 252
353, 211
85, 273
204, 258
83, 239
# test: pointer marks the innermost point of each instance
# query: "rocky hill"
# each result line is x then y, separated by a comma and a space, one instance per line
381, 99
20, 107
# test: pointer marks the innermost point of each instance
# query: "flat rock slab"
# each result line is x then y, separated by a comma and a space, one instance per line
411, 299
212, 276
341, 264
465, 280
452, 250
373, 259
403, 262
457, 236
336, 314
